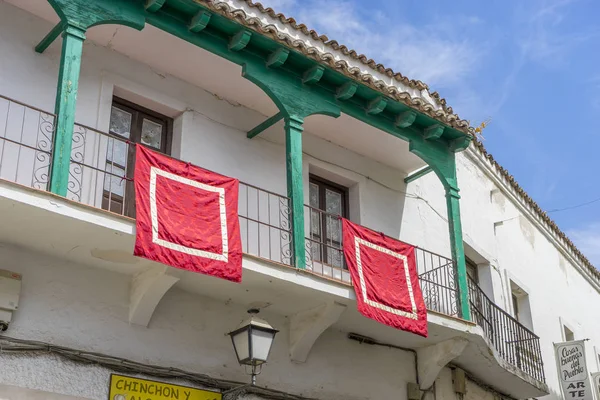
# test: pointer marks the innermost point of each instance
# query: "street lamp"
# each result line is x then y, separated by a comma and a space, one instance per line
252, 342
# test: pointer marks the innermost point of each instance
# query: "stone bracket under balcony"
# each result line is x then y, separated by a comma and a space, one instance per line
307, 326
432, 359
147, 289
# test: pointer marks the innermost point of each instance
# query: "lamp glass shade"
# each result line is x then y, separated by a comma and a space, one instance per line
252, 341
261, 344
241, 344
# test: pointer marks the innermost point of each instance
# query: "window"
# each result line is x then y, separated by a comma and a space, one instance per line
569, 335
472, 270
327, 201
137, 124
521, 308
515, 301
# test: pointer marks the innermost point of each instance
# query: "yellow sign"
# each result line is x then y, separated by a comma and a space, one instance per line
128, 388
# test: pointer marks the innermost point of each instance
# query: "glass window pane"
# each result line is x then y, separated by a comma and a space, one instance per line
115, 184
333, 202
120, 122
151, 133
314, 195
334, 230
116, 152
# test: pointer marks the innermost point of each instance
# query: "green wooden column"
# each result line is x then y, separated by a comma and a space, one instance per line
295, 191
458, 249
66, 99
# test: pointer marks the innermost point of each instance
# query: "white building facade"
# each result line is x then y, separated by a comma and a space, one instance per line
151, 74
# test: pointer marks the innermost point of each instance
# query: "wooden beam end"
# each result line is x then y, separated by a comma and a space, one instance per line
406, 119
377, 105
346, 91
199, 21
433, 132
240, 40
313, 75
278, 58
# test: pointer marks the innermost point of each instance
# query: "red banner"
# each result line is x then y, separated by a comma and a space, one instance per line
386, 282
186, 216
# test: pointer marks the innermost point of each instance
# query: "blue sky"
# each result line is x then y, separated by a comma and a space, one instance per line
532, 66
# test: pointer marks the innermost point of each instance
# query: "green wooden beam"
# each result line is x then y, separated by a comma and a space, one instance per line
406, 119
377, 105
154, 5
346, 91
278, 57
199, 21
458, 250
264, 125
433, 132
295, 186
417, 174
66, 98
313, 75
460, 144
240, 40
49, 38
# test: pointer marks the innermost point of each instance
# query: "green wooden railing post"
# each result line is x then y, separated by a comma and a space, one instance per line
458, 249
293, 155
66, 98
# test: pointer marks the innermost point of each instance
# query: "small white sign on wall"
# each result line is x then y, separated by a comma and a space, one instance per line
572, 370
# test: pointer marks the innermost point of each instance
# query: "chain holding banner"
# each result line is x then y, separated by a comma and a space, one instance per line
572, 370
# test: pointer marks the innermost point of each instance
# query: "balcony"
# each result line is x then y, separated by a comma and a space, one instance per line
100, 178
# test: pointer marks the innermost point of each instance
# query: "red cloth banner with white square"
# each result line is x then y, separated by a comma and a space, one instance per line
385, 278
186, 216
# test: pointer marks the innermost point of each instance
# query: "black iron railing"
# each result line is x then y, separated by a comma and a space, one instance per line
101, 175
513, 341
324, 256
437, 275
265, 224
25, 143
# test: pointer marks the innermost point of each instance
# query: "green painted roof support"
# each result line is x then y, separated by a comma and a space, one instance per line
457, 248
66, 98
264, 125
49, 38
295, 186
417, 174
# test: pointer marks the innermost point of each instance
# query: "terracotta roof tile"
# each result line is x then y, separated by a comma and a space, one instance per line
443, 113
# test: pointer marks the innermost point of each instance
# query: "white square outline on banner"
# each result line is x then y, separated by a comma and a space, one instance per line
154, 172
357, 242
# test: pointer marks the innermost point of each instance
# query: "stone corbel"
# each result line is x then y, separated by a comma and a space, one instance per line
307, 326
147, 289
432, 359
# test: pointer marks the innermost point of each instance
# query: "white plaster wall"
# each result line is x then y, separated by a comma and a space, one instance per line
87, 308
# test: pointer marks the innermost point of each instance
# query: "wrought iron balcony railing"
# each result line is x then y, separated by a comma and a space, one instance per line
324, 256
437, 276
101, 173
25, 143
513, 341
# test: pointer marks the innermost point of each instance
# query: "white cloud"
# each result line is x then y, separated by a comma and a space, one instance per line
280, 6
587, 240
546, 39
432, 53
